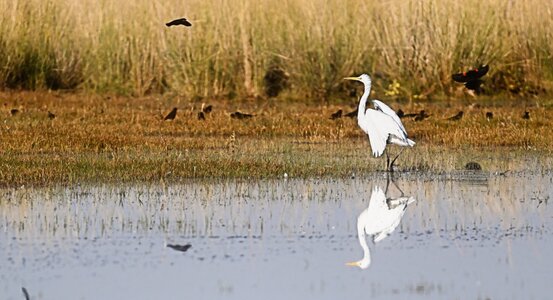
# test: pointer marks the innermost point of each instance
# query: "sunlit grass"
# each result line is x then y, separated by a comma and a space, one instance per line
124, 47
94, 138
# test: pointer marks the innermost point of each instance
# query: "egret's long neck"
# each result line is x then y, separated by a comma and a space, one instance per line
363, 100
363, 242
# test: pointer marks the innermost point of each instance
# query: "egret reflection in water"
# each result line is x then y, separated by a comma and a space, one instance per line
379, 220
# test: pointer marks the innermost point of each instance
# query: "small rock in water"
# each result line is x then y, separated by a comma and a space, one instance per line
473, 166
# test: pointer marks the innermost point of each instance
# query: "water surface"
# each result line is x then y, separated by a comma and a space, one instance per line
455, 237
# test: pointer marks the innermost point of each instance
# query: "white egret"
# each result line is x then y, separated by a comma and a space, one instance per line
379, 219
381, 124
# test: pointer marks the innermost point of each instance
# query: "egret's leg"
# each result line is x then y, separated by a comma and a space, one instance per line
394, 160
387, 161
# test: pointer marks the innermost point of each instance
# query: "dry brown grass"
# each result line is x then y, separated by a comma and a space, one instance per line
95, 138
124, 47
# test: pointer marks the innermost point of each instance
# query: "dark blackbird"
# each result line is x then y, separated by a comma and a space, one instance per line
201, 115
352, 114
457, 117
471, 78
400, 113
182, 248
14, 111
181, 21
207, 109
239, 115
526, 115
489, 115
171, 115
336, 115
421, 116
51, 116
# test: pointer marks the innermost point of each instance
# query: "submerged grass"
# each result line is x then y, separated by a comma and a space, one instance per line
124, 48
100, 138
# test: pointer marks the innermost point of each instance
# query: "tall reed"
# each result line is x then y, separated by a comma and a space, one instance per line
124, 47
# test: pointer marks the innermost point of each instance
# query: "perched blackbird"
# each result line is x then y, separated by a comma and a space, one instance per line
182, 248
207, 109
336, 115
352, 114
171, 115
51, 116
526, 115
421, 116
239, 115
457, 117
181, 21
14, 111
201, 115
471, 78
489, 115
400, 113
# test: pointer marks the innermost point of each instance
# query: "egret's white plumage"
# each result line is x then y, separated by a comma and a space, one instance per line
379, 220
381, 124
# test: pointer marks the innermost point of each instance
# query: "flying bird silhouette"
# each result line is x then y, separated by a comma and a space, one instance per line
171, 115
471, 78
181, 21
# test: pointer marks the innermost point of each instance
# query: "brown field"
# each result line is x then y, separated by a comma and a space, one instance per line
125, 48
118, 139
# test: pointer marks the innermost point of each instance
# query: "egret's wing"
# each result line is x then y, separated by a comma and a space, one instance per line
377, 197
379, 237
371, 123
381, 106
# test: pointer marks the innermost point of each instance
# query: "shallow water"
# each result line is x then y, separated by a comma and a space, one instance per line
455, 237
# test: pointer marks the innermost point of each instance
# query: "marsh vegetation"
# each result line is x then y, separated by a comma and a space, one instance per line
95, 138
235, 48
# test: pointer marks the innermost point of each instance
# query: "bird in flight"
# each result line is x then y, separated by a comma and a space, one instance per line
181, 21
471, 78
381, 124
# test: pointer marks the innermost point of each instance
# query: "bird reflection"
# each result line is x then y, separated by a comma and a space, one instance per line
379, 220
